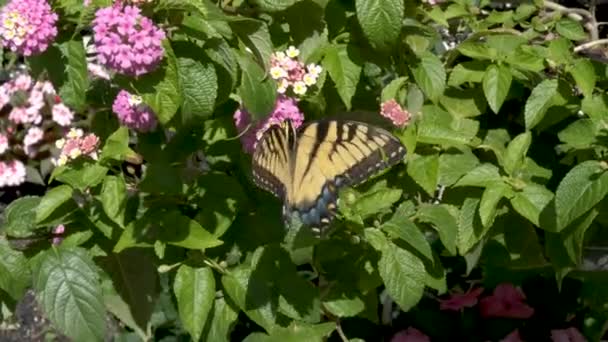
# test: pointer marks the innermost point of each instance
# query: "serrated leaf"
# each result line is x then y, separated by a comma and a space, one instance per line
402, 272
295, 332
257, 91
584, 75
489, 200
452, 166
538, 102
496, 84
470, 228
580, 190
73, 91
580, 134
342, 302
516, 152
376, 202
223, 318
424, 170
570, 29
531, 201
430, 75
274, 5
255, 35
481, 176
381, 21
15, 275
67, 287
81, 174
52, 200
116, 146
467, 72
394, 90
343, 70
437, 126
400, 226
476, 50
442, 220
199, 84
20, 217
194, 290
113, 198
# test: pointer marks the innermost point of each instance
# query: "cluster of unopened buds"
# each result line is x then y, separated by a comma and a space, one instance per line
289, 72
76, 144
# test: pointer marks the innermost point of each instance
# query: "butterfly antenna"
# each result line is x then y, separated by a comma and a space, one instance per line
239, 135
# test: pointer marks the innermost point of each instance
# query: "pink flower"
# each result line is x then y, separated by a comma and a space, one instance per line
126, 41
58, 233
459, 301
392, 110
23, 115
410, 335
3, 143
76, 144
62, 114
512, 337
33, 136
12, 173
133, 113
290, 72
506, 301
286, 108
27, 27
567, 335
89, 144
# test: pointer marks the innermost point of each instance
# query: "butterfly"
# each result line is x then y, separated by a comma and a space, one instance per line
305, 168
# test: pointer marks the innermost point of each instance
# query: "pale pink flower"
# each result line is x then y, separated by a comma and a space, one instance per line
3, 143
58, 233
12, 173
62, 114
33, 136
506, 301
513, 337
567, 335
22, 82
392, 110
410, 335
21, 115
5, 96
459, 301
290, 73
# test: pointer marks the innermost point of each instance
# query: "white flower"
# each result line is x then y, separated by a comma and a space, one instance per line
277, 72
299, 88
314, 69
282, 88
292, 52
309, 79
3, 143
33, 136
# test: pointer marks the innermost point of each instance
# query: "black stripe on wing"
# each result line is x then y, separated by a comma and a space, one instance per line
270, 162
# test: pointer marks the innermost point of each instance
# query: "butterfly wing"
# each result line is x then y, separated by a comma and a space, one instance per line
331, 154
271, 162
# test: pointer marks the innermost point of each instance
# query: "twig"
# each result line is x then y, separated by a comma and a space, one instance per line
340, 332
577, 14
590, 44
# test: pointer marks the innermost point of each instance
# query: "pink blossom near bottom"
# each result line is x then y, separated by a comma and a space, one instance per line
459, 301
567, 335
12, 173
410, 335
507, 301
286, 108
513, 337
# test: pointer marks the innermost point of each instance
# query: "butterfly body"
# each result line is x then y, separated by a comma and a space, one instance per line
307, 167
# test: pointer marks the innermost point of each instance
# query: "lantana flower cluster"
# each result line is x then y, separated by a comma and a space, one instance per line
127, 41
290, 73
133, 112
393, 111
27, 27
286, 108
33, 111
76, 144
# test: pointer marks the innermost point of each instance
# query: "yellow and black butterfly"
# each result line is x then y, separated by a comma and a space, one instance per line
305, 168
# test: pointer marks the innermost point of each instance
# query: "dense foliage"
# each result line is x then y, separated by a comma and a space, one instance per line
162, 229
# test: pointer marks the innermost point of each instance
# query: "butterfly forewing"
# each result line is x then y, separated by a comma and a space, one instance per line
271, 162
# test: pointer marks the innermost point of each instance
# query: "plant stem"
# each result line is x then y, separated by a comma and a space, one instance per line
590, 44
340, 332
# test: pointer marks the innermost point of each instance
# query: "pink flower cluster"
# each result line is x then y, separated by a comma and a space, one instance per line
133, 112
506, 301
27, 27
126, 41
12, 173
410, 335
286, 108
76, 144
393, 111
290, 72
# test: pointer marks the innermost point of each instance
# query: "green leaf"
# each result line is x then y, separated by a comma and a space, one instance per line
560, 51
570, 29
67, 287
467, 72
580, 134
481, 176
381, 21
274, 5
452, 166
184, 5
257, 90
199, 85
464, 103
516, 152
496, 85
470, 228
73, 91
342, 302
531, 201
295, 332
81, 174
376, 202
437, 126
394, 90
538, 102
476, 50
442, 220
20, 217
160, 89
584, 75
400, 226
254, 34
424, 170
52, 200
430, 75
223, 318
580, 190
195, 291
489, 200
343, 70
113, 198
117, 145
402, 272
15, 276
